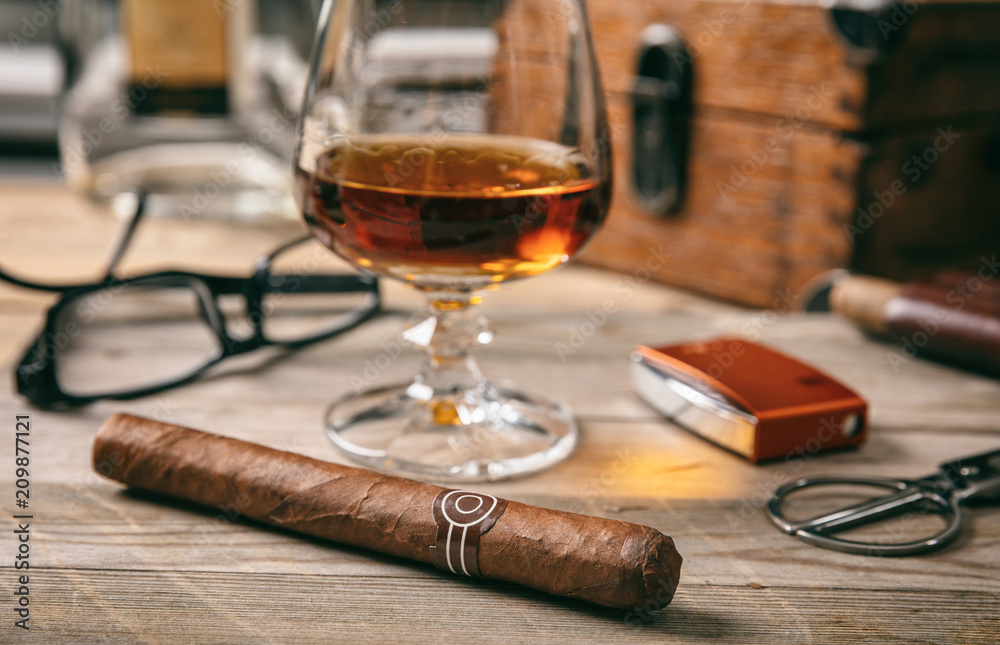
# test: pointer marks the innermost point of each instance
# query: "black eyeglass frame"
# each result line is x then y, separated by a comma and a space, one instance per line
36, 375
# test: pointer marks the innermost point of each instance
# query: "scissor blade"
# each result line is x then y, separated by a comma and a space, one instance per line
866, 512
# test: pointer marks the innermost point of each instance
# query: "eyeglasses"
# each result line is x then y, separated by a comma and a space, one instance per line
126, 338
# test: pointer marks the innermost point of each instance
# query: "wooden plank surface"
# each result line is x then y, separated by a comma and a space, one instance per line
116, 566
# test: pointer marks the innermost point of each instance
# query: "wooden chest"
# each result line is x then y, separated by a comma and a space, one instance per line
773, 141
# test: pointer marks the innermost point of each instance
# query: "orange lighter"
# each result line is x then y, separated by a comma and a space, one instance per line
749, 398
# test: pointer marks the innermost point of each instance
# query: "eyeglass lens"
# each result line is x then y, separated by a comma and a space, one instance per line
128, 338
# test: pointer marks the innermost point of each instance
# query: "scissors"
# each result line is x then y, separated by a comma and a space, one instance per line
943, 492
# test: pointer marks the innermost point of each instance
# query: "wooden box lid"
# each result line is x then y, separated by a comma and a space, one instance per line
874, 63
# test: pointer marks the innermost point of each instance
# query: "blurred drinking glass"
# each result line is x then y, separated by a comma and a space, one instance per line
192, 101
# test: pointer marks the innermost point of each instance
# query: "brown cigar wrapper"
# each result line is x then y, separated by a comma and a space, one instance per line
962, 331
608, 562
935, 317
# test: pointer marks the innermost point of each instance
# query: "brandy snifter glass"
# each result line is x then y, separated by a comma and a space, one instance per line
453, 145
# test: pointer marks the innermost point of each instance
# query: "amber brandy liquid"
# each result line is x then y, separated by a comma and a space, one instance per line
456, 211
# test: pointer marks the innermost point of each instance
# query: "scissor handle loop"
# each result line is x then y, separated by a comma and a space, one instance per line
907, 494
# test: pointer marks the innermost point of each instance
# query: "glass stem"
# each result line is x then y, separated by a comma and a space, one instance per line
449, 331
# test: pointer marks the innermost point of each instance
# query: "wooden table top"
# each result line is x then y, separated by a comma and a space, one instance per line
111, 566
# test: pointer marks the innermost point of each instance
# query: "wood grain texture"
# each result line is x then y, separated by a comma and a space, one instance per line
795, 133
756, 57
767, 57
121, 567
764, 213
303, 608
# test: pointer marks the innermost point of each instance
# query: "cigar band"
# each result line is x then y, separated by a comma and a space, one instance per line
462, 517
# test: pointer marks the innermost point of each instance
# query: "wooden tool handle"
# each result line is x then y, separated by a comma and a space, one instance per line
863, 300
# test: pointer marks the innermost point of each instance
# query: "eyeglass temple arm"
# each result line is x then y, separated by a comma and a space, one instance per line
137, 213
320, 284
279, 283
224, 285
120, 247
18, 282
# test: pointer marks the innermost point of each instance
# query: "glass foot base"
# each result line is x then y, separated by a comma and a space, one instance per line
487, 432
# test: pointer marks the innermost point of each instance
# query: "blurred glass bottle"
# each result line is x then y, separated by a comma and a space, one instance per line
194, 101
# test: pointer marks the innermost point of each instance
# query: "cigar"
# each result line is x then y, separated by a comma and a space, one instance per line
955, 317
608, 562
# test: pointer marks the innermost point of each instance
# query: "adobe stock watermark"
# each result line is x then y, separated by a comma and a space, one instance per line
86, 487
783, 302
224, 7
711, 30
785, 130
377, 22
626, 288
247, 151
794, 461
221, 522
601, 483
375, 367
86, 311
913, 169
958, 297
390, 350
292, 280
898, 15
32, 25
540, 205
751, 330
664, 593
111, 468
121, 108
458, 112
